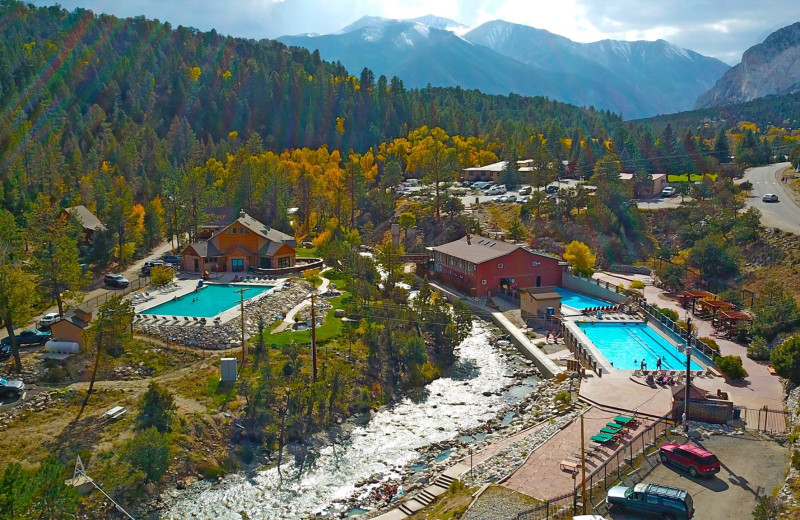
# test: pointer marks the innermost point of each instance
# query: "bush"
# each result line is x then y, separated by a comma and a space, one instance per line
637, 284
562, 397
732, 367
758, 349
161, 275
786, 359
669, 313
710, 343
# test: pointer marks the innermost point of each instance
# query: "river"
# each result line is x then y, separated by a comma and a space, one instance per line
382, 447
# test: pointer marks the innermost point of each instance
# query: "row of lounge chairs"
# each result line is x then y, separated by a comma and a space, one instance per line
137, 298
170, 320
254, 278
676, 374
613, 430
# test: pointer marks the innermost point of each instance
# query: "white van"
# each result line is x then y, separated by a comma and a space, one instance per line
497, 190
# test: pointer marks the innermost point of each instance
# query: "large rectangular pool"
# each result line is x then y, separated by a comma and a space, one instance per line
626, 344
207, 302
579, 301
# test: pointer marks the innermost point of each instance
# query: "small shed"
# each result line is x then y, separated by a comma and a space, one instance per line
71, 327
538, 302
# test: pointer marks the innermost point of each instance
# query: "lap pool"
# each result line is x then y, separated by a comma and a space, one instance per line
626, 344
207, 302
579, 301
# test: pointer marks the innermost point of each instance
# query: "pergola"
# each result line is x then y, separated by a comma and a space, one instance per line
711, 307
687, 299
729, 320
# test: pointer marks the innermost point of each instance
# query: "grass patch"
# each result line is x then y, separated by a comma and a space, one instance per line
450, 505
330, 329
306, 252
694, 177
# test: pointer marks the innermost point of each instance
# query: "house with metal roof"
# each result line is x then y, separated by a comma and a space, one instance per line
239, 246
90, 223
481, 266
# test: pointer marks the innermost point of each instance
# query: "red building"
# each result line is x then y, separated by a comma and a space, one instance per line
477, 265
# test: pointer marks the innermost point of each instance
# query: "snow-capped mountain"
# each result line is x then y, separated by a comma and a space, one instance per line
637, 79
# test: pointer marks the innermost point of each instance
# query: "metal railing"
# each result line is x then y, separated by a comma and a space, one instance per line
91, 304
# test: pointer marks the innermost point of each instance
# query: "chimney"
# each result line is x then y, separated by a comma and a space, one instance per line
468, 239
241, 213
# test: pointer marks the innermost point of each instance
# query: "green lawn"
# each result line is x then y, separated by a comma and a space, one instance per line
331, 328
306, 252
694, 177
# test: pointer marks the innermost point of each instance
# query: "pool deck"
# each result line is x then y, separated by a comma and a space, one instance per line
186, 285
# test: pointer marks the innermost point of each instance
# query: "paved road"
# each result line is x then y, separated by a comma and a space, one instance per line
750, 468
785, 214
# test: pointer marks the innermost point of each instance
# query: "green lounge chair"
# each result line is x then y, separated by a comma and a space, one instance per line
623, 419
609, 431
602, 438
613, 426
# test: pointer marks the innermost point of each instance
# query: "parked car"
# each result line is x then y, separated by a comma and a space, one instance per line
498, 189
172, 259
11, 388
662, 501
29, 337
693, 459
551, 189
770, 197
523, 199
115, 280
500, 198
511, 198
5, 352
150, 264
668, 191
48, 319
525, 190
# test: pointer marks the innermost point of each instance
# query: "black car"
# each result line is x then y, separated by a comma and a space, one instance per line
5, 352
29, 337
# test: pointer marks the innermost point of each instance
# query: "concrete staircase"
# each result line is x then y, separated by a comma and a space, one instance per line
427, 495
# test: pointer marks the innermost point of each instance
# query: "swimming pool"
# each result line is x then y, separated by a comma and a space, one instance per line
626, 344
207, 302
579, 301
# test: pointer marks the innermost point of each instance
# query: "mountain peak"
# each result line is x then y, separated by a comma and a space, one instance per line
364, 21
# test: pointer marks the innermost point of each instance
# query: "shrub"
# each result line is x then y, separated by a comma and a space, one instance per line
429, 371
210, 470
786, 359
758, 349
710, 343
637, 284
670, 313
732, 367
161, 275
562, 397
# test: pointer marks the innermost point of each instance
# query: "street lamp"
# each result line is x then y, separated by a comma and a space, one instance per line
688, 372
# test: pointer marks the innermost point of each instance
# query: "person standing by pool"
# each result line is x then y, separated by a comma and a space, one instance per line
641, 366
658, 363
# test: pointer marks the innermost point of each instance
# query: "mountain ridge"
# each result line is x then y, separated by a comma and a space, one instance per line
637, 79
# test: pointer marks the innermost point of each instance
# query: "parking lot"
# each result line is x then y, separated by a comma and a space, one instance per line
750, 468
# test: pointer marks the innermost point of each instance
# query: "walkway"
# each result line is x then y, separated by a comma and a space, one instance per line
288, 321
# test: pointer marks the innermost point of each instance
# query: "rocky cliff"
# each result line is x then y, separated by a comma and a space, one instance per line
771, 67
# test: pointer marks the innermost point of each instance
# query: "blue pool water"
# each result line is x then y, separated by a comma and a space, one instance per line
579, 301
207, 302
625, 344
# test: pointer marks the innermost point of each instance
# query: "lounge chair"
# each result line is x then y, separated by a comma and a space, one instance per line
613, 426
569, 465
610, 431
603, 438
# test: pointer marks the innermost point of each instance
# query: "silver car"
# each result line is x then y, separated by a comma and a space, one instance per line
11, 388
770, 197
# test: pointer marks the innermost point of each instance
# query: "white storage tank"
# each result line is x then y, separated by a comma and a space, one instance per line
62, 347
228, 366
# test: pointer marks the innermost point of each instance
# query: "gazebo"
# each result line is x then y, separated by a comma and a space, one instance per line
710, 308
687, 299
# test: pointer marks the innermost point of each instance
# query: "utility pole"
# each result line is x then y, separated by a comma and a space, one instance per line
688, 372
241, 306
313, 335
583, 469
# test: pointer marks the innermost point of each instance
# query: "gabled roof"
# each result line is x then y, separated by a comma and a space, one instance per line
494, 167
270, 248
203, 249
87, 219
259, 229
71, 318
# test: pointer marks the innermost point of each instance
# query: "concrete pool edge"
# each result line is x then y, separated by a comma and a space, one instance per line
602, 361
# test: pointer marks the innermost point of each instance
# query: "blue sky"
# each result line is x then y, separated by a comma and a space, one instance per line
723, 29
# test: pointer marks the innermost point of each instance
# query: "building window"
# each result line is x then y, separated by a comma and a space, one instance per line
483, 282
500, 265
284, 261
